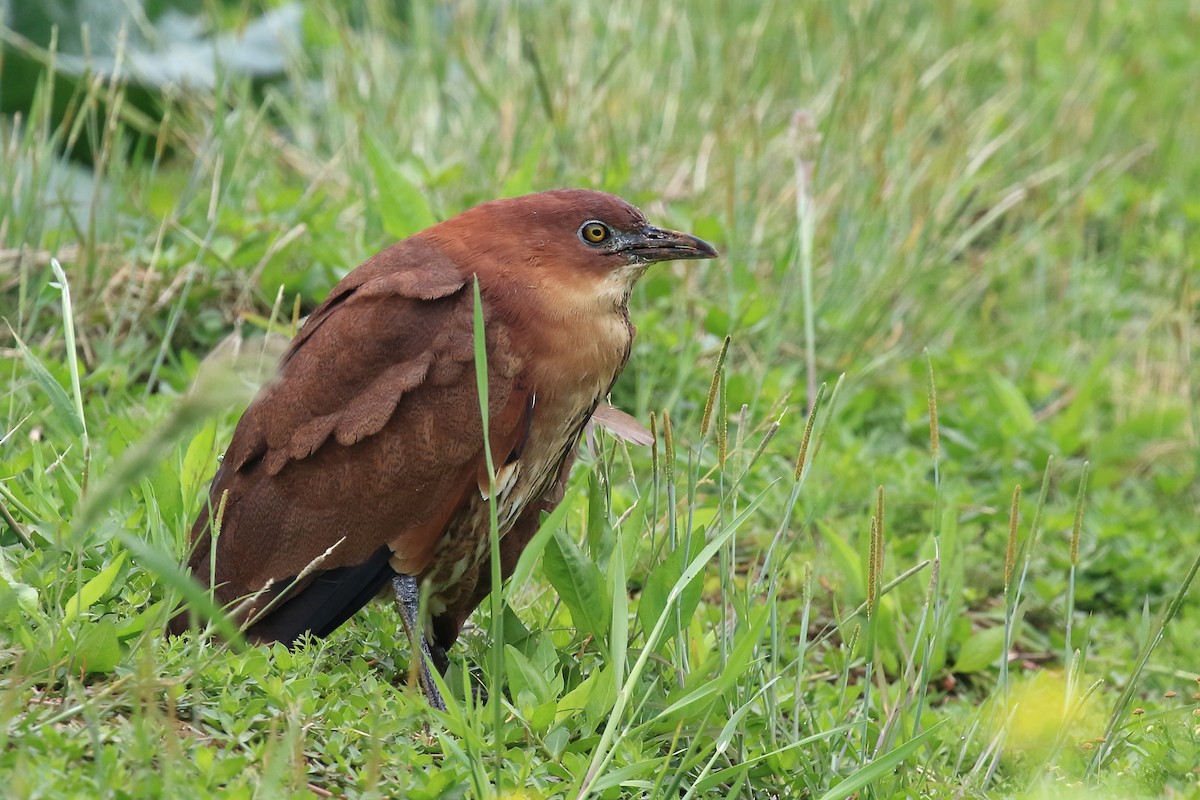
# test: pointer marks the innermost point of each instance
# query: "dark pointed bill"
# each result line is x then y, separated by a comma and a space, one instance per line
658, 244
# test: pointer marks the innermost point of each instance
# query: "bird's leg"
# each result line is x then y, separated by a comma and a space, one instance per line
408, 593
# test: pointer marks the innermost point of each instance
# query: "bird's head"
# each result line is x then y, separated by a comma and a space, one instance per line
584, 248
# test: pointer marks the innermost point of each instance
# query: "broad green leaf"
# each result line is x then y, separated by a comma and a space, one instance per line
579, 583
93, 590
90, 649
600, 536
97, 649
542, 717
1014, 403
16, 597
660, 582
403, 208
151, 615
199, 459
573, 703
15, 464
626, 776
523, 675
515, 632
594, 698
981, 650
550, 523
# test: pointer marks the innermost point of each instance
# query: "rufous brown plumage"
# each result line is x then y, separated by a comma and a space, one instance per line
364, 463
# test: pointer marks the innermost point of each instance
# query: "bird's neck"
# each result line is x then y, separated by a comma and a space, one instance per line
580, 354
576, 343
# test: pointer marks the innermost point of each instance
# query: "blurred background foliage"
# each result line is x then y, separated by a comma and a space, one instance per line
1008, 187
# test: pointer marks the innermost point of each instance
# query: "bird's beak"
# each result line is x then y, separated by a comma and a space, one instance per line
652, 244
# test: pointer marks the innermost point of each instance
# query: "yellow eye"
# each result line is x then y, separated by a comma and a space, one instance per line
594, 232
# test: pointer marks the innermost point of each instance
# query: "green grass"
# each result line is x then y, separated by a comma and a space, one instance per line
994, 199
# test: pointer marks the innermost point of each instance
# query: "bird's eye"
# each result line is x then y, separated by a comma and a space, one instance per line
594, 232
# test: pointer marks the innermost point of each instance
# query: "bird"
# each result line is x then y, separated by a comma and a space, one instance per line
361, 467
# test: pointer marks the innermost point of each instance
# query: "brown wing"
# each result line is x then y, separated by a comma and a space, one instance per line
371, 436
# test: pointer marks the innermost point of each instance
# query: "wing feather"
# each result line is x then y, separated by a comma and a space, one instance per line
371, 433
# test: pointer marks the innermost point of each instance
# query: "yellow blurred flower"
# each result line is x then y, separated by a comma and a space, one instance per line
1039, 711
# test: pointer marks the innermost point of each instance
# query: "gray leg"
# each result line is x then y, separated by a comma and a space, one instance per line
408, 592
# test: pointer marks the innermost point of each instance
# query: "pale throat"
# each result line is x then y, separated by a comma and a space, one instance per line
590, 333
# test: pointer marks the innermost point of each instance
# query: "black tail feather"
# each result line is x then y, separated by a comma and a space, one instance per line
328, 600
